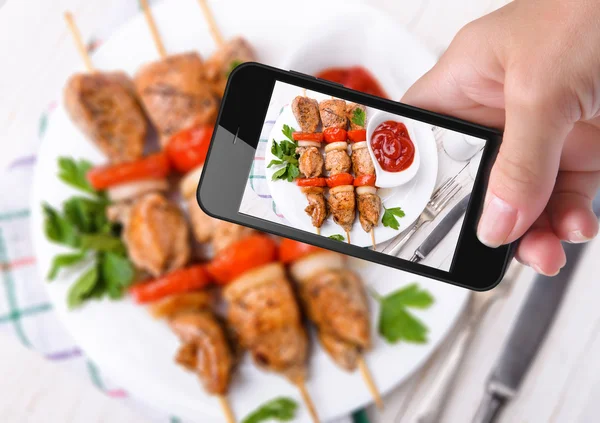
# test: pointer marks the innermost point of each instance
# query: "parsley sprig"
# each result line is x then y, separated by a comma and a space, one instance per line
396, 322
281, 409
82, 225
287, 158
337, 237
359, 117
390, 216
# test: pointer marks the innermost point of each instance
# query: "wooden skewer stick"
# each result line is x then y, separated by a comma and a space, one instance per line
348, 237
373, 237
78, 41
318, 230
212, 24
153, 29
308, 401
303, 92
368, 378
226, 409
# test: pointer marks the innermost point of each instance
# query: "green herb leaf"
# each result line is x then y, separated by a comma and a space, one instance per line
82, 288
73, 172
86, 214
337, 237
281, 409
389, 217
275, 163
64, 260
396, 323
285, 151
280, 174
58, 229
359, 117
288, 131
117, 273
102, 242
234, 64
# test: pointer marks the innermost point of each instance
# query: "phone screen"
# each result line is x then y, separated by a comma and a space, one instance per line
362, 176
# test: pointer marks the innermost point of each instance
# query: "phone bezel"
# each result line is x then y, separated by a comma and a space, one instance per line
237, 134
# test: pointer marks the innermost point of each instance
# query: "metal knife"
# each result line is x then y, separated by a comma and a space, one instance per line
441, 230
528, 334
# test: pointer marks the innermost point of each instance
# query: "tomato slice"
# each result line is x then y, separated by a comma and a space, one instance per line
153, 166
177, 282
334, 135
290, 250
340, 179
187, 149
242, 256
364, 180
311, 182
308, 136
357, 135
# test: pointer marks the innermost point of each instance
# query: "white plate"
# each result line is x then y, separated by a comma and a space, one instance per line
412, 197
136, 351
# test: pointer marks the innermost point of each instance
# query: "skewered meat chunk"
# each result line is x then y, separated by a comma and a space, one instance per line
234, 52
369, 207
175, 94
341, 204
205, 349
226, 233
337, 161
310, 162
104, 107
317, 206
333, 113
203, 226
306, 111
265, 316
155, 233
361, 160
350, 111
345, 354
174, 305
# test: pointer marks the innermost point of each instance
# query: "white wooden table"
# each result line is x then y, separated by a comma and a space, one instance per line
37, 56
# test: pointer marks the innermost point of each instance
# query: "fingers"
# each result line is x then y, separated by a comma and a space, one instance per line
524, 172
570, 207
582, 147
541, 249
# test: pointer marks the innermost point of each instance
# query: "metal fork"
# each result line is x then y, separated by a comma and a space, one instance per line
440, 199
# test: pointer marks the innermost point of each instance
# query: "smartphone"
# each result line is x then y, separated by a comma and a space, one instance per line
311, 160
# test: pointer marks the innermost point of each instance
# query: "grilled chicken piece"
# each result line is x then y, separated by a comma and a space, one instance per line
233, 53
361, 160
266, 318
341, 204
334, 300
310, 161
104, 107
337, 159
350, 110
171, 306
155, 233
333, 113
203, 226
226, 233
205, 349
317, 206
369, 207
306, 111
176, 95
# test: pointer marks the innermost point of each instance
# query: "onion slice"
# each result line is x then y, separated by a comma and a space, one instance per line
359, 145
339, 145
366, 190
307, 267
189, 183
341, 188
305, 143
131, 190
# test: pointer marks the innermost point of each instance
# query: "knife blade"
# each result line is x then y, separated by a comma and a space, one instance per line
441, 230
528, 334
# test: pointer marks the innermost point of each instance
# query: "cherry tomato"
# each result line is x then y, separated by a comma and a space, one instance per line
153, 166
311, 182
357, 135
339, 179
177, 282
334, 135
308, 136
364, 180
290, 250
244, 255
187, 149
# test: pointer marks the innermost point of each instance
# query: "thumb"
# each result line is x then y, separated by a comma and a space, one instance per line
525, 170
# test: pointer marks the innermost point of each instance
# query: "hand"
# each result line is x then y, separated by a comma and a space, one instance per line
533, 68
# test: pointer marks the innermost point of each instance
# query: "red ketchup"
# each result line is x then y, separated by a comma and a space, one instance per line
392, 146
355, 77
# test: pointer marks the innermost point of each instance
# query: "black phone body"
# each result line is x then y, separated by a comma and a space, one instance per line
234, 146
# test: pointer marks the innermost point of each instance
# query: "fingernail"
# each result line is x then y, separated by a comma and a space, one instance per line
497, 222
541, 272
577, 237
